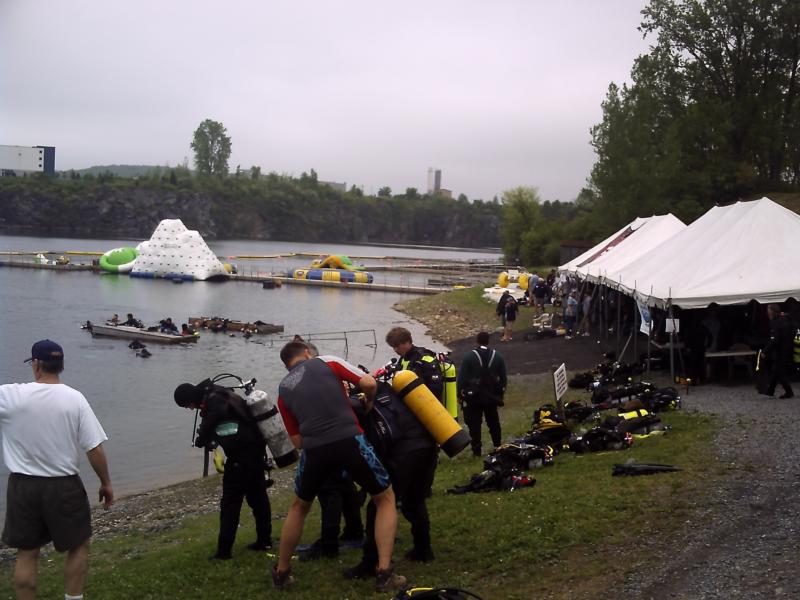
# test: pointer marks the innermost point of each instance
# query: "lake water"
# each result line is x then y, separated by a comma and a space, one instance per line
149, 436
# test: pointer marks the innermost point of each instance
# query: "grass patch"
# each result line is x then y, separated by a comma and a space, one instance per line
567, 533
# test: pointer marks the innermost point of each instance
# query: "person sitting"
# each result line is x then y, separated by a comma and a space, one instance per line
114, 320
186, 330
132, 322
167, 326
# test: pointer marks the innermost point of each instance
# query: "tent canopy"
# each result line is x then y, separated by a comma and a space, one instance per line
596, 251
656, 230
731, 255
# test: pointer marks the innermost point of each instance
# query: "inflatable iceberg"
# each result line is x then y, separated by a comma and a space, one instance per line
174, 252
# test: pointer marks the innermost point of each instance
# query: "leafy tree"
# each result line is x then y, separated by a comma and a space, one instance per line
385, 192
255, 172
212, 148
712, 113
411, 192
521, 216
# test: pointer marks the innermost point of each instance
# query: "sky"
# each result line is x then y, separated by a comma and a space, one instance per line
496, 94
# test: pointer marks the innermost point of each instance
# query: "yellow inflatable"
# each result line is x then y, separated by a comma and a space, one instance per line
502, 279
430, 412
335, 261
523, 281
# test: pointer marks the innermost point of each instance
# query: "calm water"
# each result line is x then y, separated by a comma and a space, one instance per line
149, 436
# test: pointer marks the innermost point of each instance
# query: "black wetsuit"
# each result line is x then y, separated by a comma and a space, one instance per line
227, 421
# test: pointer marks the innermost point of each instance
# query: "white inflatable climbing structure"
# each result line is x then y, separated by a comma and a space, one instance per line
174, 252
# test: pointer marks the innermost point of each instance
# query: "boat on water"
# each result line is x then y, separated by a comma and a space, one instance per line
221, 324
134, 333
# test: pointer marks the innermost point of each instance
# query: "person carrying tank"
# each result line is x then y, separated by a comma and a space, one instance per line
410, 457
320, 421
416, 358
226, 421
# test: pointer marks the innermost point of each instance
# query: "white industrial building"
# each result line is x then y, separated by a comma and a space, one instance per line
17, 160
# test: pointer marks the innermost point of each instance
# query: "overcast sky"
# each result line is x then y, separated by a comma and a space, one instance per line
495, 93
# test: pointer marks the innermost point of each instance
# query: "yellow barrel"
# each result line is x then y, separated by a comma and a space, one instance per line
430, 412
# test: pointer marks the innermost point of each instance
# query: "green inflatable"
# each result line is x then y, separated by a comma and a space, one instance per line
118, 260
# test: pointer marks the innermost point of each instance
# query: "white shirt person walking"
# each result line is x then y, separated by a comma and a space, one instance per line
46, 425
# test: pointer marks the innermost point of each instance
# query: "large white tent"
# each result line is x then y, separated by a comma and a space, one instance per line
655, 231
606, 245
730, 255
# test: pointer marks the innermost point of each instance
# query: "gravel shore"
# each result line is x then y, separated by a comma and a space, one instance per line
746, 543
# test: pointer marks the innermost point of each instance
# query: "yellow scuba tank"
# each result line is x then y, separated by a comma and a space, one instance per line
450, 393
219, 460
430, 412
796, 354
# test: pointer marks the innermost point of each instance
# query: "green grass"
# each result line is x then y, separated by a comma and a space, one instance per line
574, 529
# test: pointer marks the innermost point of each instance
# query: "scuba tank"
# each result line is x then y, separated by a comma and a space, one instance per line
450, 393
269, 421
796, 347
430, 412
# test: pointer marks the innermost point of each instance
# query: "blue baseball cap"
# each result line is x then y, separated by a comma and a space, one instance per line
46, 350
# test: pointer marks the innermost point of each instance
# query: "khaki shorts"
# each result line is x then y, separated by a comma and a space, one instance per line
44, 509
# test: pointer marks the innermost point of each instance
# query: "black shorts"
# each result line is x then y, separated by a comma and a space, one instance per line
353, 455
44, 509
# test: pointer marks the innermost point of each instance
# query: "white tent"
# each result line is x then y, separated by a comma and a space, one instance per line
655, 231
175, 252
606, 245
730, 255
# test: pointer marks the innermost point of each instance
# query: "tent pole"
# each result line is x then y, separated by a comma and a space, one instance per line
635, 324
619, 304
671, 342
649, 334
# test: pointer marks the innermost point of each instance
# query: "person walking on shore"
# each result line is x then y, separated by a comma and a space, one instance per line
318, 417
45, 426
481, 385
511, 308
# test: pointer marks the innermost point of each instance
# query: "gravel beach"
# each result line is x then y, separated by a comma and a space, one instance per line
746, 543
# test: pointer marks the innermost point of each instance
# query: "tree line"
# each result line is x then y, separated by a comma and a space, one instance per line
711, 116
250, 205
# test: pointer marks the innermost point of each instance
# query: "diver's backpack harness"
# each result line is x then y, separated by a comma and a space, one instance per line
483, 390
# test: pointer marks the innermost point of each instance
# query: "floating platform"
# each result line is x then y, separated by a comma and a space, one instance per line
231, 325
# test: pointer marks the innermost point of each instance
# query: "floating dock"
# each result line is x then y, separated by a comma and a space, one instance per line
277, 279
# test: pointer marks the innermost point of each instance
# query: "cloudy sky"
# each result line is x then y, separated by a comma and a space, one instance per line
496, 93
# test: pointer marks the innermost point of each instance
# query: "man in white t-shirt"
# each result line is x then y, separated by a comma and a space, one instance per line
45, 427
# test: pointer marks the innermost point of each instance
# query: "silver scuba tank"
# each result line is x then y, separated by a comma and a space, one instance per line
265, 411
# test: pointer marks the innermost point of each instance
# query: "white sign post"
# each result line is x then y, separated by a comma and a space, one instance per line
560, 388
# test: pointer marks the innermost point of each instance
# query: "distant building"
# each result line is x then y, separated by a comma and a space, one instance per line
341, 187
569, 249
17, 160
434, 181
445, 193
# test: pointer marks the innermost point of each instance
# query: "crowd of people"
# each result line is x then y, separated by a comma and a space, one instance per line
46, 425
